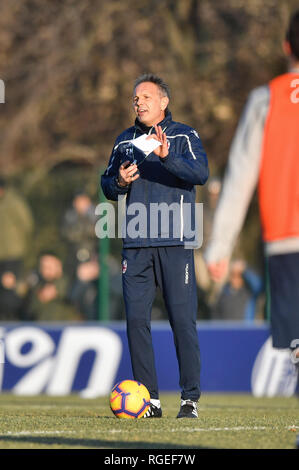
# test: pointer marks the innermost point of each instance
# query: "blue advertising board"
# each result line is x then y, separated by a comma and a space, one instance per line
88, 358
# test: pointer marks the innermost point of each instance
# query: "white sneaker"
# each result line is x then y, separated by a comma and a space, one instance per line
188, 409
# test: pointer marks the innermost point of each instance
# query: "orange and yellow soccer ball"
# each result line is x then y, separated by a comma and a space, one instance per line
129, 399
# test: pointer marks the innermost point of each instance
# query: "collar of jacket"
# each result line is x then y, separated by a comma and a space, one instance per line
146, 129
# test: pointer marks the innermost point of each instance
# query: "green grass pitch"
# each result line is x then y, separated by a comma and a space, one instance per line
225, 422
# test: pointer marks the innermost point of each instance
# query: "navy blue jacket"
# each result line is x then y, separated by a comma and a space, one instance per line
162, 180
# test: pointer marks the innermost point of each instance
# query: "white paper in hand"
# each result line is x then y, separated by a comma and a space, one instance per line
146, 146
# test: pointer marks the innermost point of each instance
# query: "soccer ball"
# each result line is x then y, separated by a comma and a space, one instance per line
129, 399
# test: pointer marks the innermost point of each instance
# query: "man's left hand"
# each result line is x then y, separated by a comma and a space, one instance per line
162, 150
218, 271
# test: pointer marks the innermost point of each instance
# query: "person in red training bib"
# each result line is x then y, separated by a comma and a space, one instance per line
264, 154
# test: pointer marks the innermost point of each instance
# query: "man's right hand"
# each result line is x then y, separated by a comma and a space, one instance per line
126, 173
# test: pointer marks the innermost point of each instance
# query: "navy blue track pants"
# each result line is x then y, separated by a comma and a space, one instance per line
172, 269
283, 272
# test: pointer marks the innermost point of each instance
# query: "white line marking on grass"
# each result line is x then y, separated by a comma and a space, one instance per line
160, 431
234, 428
29, 433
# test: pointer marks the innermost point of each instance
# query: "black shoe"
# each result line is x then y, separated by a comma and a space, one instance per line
188, 409
153, 412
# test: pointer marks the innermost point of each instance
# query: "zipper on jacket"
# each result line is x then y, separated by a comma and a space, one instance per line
182, 216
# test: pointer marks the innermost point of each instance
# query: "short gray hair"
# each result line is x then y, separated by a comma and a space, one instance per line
150, 77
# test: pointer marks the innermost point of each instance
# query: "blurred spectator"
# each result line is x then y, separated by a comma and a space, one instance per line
237, 300
16, 229
78, 229
208, 291
84, 289
47, 298
82, 267
11, 297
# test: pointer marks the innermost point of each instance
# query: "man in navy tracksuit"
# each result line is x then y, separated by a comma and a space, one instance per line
154, 249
